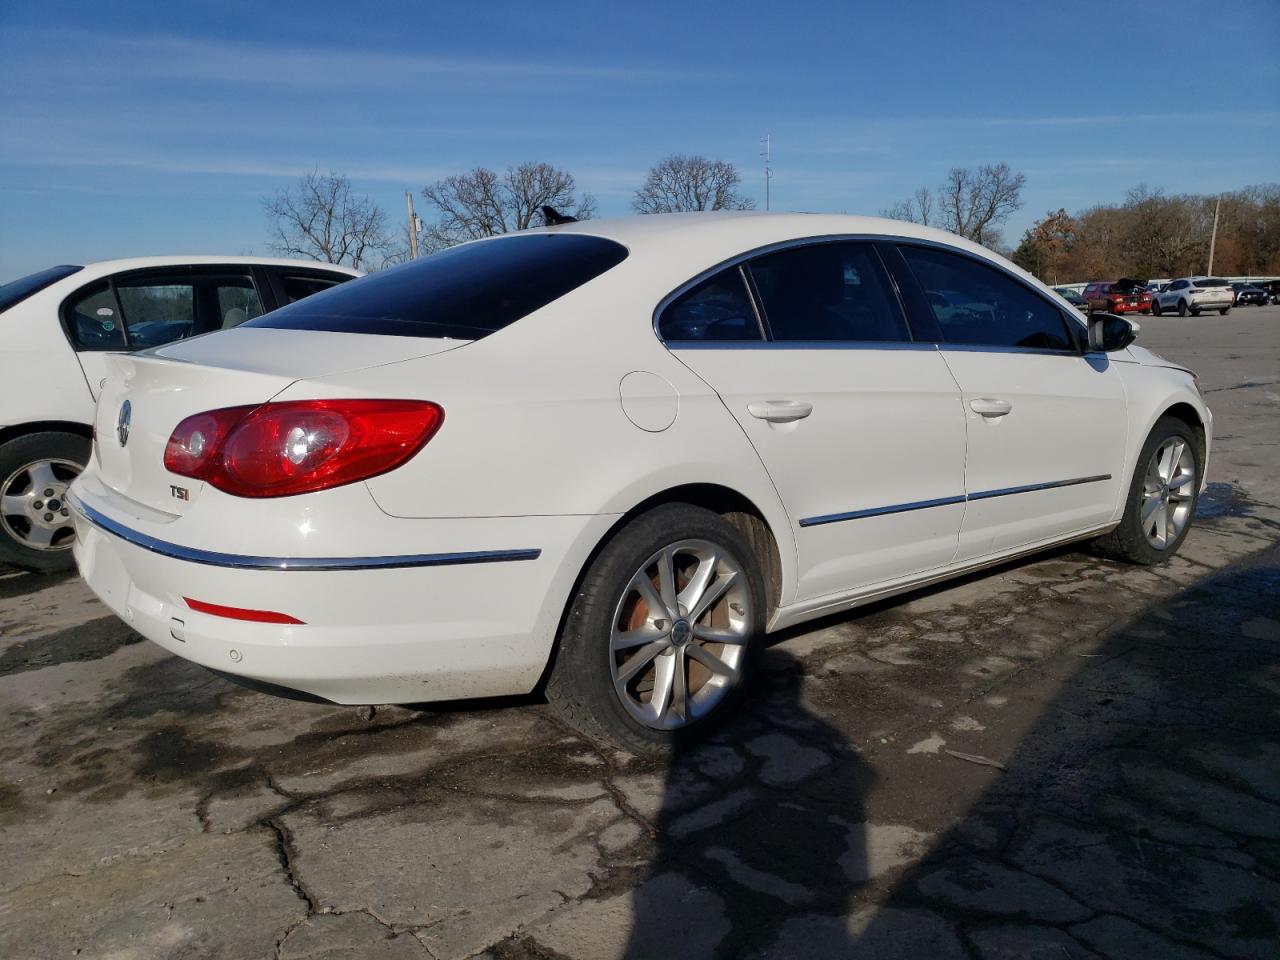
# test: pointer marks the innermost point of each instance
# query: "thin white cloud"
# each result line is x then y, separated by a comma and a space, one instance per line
121, 57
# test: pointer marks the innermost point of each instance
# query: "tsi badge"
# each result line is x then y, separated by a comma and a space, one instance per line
122, 422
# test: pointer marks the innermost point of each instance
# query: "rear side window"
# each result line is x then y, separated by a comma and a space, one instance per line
981, 306
718, 308
467, 292
827, 291
12, 294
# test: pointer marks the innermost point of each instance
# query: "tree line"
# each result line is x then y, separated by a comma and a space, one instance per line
1154, 234
1150, 234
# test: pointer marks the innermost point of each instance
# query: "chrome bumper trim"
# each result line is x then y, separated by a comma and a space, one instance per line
240, 562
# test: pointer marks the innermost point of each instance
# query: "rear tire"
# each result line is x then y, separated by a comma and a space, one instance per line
35, 526
1182, 308
622, 643
1224, 311
1153, 496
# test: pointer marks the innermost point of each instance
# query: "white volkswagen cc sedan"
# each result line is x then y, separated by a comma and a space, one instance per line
605, 458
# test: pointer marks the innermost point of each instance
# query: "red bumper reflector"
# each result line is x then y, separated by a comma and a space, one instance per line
239, 613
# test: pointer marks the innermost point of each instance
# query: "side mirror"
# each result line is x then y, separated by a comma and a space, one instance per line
1108, 333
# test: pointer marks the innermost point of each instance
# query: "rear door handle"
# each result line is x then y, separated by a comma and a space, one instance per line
989, 407
779, 411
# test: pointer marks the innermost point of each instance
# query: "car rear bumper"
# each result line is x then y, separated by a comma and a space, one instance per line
458, 624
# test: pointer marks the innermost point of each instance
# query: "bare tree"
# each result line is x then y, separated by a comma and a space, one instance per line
482, 203
917, 208
972, 203
319, 217
976, 202
682, 182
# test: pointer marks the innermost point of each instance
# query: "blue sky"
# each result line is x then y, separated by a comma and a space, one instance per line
146, 128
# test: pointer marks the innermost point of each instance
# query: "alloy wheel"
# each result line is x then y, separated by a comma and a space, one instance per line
1168, 492
33, 504
678, 642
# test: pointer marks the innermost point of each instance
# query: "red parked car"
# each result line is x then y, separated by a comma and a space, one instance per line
1117, 296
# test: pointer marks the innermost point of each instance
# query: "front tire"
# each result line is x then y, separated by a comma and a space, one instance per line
1162, 497
1155, 307
35, 520
660, 638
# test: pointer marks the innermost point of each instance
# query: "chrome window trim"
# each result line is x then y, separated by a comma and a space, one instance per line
947, 501
928, 345
742, 258
241, 562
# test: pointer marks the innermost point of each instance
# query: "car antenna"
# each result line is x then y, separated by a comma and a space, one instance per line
552, 217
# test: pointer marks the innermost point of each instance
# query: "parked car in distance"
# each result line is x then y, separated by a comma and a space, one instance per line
615, 454
1247, 293
1195, 295
1272, 290
58, 328
1073, 298
1117, 296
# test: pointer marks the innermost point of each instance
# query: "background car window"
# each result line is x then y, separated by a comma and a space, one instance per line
716, 309
827, 291
296, 287
93, 319
157, 312
979, 305
237, 301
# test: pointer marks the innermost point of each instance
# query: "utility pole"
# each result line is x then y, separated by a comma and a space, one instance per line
1213, 237
767, 153
413, 226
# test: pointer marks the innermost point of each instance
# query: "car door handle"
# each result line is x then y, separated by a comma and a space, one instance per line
779, 411
989, 407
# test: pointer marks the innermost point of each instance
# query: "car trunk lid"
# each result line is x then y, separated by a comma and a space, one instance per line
145, 395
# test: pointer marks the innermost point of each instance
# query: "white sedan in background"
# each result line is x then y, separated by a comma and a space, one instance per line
57, 328
607, 457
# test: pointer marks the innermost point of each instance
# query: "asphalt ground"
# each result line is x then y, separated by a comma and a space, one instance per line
1063, 757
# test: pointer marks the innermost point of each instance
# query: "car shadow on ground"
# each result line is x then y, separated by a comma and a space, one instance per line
1137, 814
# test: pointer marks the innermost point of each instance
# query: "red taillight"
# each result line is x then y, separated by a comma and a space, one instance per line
299, 446
240, 613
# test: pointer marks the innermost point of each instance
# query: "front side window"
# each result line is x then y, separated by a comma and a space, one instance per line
466, 292
157, 311
828, 292
978, 305
235, 300
718, 308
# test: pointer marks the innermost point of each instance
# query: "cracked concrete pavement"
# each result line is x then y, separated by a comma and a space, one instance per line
1061, 758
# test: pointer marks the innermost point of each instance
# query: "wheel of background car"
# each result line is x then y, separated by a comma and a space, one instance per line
1162, 497
35, 521
659, 640
1182, 308
1195, 311
1224, 311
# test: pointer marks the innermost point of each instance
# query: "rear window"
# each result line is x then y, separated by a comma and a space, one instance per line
466, 292
12, 294
1211, 282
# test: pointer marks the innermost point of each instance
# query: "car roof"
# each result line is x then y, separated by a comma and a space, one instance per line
737, 230
197, 260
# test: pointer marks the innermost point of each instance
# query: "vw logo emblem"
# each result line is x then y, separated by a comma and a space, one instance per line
122, 422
